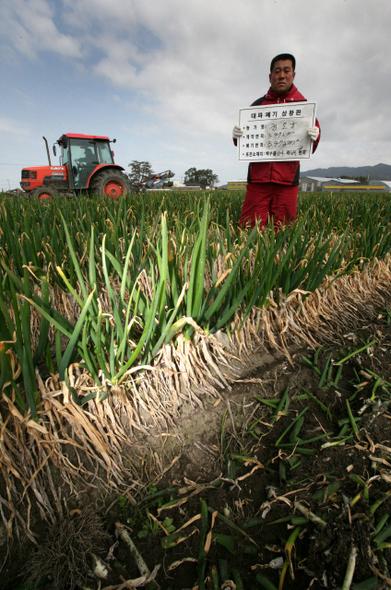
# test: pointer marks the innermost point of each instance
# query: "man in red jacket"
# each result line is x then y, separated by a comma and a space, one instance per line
273, 186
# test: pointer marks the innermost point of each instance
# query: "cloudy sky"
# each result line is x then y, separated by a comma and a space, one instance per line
166, 78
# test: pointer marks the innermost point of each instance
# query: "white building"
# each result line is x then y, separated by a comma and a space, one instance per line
320, 183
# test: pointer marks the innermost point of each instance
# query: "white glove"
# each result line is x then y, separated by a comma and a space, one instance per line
237, 132
313, 132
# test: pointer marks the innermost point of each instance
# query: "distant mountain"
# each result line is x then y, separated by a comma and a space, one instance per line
378, 172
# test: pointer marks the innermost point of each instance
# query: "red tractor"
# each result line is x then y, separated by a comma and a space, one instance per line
86, 164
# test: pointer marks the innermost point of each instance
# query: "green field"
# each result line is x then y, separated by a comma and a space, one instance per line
138, 272
118, 317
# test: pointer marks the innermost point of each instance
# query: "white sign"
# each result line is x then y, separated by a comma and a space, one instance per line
276, 132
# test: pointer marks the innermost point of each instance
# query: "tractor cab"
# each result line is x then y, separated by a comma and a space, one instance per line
83, 155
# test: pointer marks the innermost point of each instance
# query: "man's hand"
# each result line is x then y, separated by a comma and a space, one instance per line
313, 132
237, 132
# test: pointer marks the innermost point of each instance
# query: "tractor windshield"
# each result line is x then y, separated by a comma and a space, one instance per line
83, 161
81, 150
105, 155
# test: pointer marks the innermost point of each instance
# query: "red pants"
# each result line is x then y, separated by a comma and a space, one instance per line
267, 201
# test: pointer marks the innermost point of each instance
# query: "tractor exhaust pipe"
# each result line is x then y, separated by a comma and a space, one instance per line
47, 149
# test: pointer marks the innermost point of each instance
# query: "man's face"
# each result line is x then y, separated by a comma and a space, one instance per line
282, 76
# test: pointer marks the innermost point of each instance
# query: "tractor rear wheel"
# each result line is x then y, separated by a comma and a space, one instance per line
110, 183
42, 193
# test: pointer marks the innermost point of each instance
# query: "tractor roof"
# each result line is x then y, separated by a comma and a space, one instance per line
81, 136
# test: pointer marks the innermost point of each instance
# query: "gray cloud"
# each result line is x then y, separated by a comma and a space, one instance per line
29, 27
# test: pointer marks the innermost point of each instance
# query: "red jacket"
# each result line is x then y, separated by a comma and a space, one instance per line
278, 172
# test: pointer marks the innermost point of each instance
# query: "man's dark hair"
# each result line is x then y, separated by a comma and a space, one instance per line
283, 56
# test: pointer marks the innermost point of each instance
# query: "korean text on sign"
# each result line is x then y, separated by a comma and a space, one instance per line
276, 132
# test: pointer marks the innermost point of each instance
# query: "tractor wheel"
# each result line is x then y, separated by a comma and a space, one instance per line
42, 193
110, 183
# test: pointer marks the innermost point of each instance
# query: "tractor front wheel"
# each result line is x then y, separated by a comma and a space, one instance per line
43, 193
110, 183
